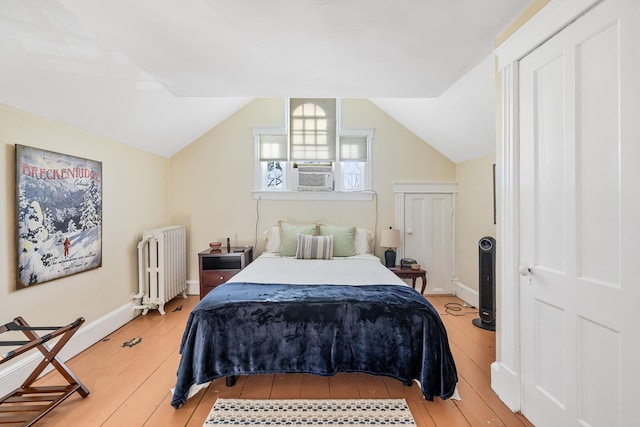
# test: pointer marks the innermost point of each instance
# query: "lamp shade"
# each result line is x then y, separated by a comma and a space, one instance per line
390, 238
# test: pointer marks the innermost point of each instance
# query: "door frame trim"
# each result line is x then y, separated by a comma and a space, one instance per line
425, 187
506, 379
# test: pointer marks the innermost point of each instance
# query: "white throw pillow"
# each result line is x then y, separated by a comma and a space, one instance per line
272, 236
363, 241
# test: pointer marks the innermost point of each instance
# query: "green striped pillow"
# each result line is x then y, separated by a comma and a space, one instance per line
314, 247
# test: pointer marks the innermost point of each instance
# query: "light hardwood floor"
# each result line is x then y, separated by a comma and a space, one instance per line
129, 386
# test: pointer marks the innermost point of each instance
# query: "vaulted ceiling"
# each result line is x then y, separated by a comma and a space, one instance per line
158, 74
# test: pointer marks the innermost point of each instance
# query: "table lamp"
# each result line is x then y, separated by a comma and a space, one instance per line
390, 239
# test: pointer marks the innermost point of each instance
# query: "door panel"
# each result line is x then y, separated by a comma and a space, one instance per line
597, 382
549, 192
577, 322
550, 365
598, 151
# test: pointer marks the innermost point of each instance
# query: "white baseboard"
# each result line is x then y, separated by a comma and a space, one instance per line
506, 384
14, 375
466, 294
193, 287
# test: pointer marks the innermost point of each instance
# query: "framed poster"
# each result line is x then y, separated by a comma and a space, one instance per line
59, 209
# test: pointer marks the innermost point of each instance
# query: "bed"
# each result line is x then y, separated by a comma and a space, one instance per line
317, 316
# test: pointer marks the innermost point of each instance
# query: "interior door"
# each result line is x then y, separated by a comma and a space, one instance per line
428, 238
579, 215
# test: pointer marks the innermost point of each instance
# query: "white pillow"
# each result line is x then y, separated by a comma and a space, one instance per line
363, 241
272, 236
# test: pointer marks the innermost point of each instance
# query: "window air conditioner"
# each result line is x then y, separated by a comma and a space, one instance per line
313, 178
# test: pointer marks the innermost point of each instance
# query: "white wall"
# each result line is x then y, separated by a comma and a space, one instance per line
474, 216
134, 198
212, 179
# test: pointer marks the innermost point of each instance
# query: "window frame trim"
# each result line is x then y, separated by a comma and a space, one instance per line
364, 195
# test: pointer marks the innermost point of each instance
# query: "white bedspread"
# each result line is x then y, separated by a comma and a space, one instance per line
355, 270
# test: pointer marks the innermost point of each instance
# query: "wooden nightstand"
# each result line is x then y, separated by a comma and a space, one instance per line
219, 265
409, 273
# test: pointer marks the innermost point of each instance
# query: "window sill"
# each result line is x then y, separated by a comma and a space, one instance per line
314, 195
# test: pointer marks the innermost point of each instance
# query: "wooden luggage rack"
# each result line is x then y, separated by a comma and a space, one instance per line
27, 404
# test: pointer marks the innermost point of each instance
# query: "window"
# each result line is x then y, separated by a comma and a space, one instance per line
335, 159
354, 161
272, 150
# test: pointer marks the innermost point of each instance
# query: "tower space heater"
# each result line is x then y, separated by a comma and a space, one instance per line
487, 284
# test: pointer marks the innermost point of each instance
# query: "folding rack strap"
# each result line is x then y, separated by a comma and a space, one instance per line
19, 324
29, 403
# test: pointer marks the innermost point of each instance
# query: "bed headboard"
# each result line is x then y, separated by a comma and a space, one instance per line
363, 239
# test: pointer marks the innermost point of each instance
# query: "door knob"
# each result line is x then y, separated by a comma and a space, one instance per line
409, 231
525, 271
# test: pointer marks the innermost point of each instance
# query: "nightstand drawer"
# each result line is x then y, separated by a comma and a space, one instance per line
217, 277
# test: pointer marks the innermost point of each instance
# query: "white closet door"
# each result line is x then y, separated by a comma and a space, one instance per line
579, 222
428, 238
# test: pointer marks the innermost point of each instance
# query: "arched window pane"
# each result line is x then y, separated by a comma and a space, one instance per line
313, 129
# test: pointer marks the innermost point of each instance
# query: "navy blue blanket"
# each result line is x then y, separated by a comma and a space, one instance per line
244, 328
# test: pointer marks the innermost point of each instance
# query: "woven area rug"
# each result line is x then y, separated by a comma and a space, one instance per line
303, 412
